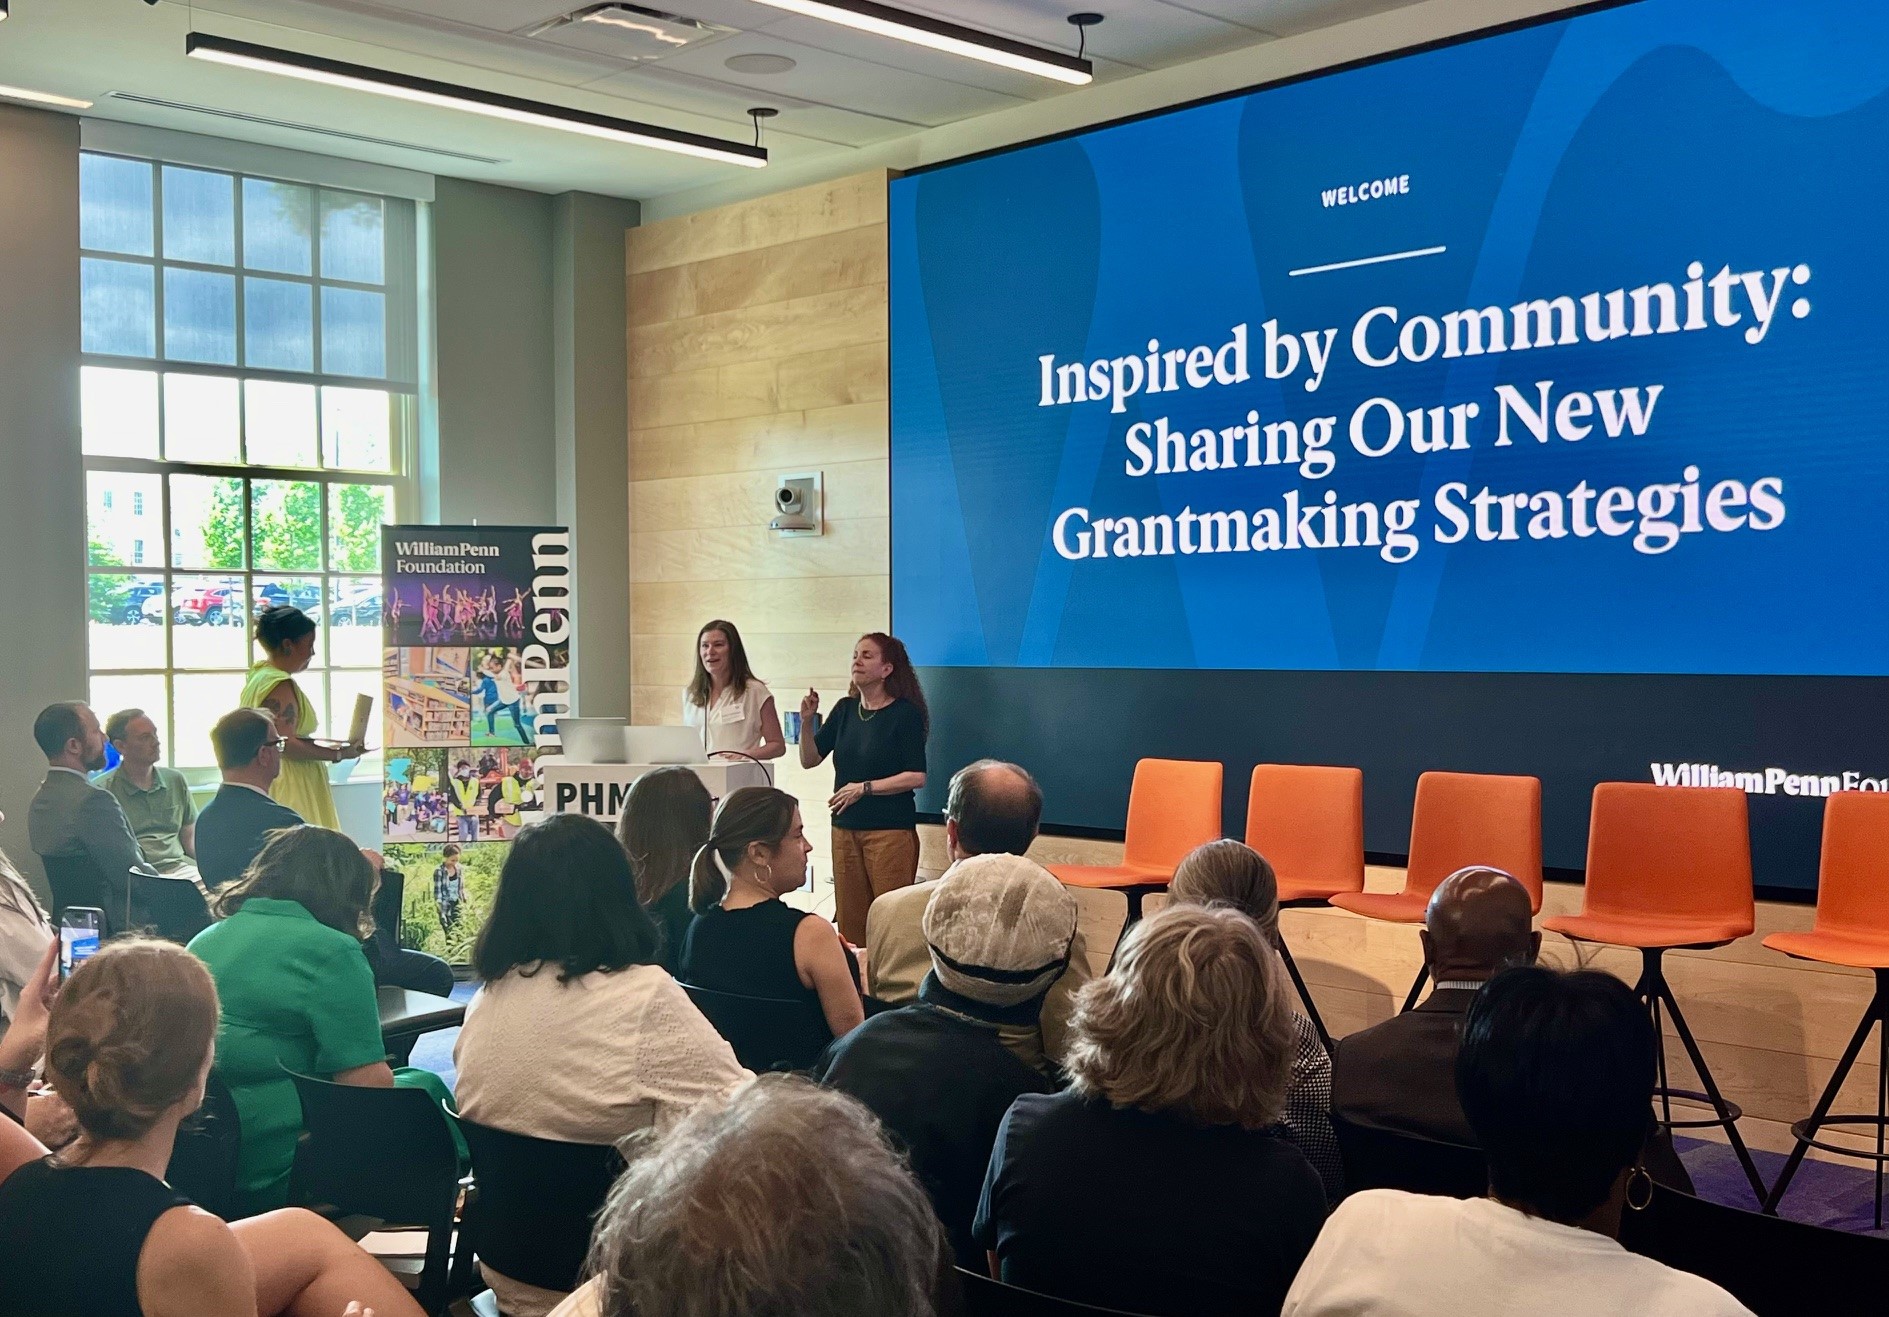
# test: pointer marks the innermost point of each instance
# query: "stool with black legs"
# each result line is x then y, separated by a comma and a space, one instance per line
1851, 928
1491, 820
1669, 869
1308, 821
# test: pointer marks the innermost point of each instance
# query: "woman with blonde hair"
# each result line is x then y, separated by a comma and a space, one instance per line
298, 993
93, 1231
1235, 874
1160, 1182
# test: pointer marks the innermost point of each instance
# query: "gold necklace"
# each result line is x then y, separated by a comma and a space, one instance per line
866, 715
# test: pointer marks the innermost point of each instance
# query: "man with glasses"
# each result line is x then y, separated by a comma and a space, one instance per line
235, 824
240, 817
156, 800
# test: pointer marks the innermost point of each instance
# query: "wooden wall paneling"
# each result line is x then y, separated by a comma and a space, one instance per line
715, 553
849, 258
784, 218
851, 432
842, 318
746, 499
852, 603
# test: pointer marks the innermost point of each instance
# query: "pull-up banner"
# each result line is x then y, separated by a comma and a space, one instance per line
475, 672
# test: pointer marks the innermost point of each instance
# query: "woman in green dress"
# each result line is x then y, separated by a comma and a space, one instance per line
287, 636
297, 994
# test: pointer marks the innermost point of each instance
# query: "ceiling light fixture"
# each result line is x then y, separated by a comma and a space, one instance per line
446, 95
924, 30
42, 98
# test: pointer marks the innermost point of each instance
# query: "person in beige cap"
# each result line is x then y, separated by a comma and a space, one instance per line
992, 808
936, 1072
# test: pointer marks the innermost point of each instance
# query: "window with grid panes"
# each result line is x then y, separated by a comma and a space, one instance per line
247, 412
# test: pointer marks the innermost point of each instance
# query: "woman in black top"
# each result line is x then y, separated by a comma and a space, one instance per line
665, 822
877, 739
94, 1231
745, 939
1160, 1182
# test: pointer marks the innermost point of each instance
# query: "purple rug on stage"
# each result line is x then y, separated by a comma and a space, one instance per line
1821, 1193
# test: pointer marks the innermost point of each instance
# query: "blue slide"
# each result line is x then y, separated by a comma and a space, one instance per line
1561, 350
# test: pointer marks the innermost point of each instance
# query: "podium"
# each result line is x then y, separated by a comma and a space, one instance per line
598, 790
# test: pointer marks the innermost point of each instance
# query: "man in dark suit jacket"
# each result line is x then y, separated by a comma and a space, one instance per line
1401, 1075
239, 818
73, 823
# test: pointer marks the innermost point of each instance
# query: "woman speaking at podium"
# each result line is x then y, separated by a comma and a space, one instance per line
877, 739
724, 697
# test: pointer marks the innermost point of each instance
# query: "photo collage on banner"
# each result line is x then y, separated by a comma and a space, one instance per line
475, 667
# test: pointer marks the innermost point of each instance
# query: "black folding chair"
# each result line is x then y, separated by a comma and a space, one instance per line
767, 1033
1388, 1159
984, 1297
1776, 1268
385, 1153
537, 1200
171, 908
204, 1159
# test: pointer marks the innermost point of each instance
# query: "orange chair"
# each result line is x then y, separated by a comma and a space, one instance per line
1669, 868
1173, 806
1460, 819
1851, 928
1308, 821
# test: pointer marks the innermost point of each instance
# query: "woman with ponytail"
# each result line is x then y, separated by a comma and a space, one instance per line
745, 939
93, 1231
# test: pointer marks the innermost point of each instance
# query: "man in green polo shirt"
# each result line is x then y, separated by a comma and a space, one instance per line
156, 800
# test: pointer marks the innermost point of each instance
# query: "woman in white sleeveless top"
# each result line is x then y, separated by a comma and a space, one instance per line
725, 698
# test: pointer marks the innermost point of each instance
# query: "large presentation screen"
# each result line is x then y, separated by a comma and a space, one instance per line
1458, 410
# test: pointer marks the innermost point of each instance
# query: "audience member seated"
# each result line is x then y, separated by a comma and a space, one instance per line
745, 939
72, 819
784, 1199
25, 933
577, 1034
94, 1231
1161, 1182
666, 819
242, 816
1556, 1076
24, 1041
155, 799
1401, 1075
1240, 876
297, 993
991, 808
935, 1072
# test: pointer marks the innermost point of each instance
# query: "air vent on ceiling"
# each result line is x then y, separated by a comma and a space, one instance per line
628, 32
243, 116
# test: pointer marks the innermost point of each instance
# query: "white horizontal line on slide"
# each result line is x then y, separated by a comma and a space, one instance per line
1369, 260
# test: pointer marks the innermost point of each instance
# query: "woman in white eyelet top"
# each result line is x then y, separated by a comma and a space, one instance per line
734, 708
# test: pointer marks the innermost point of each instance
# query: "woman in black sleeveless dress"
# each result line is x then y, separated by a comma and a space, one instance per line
747, 941
93, 1230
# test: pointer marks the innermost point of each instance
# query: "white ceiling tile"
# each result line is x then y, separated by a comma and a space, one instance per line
1291, 17
1144, 33
822, 77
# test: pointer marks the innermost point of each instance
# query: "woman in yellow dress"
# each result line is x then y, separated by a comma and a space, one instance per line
287, 636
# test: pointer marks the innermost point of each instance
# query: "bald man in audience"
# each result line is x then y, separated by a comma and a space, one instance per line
991, 808
1401, 1075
